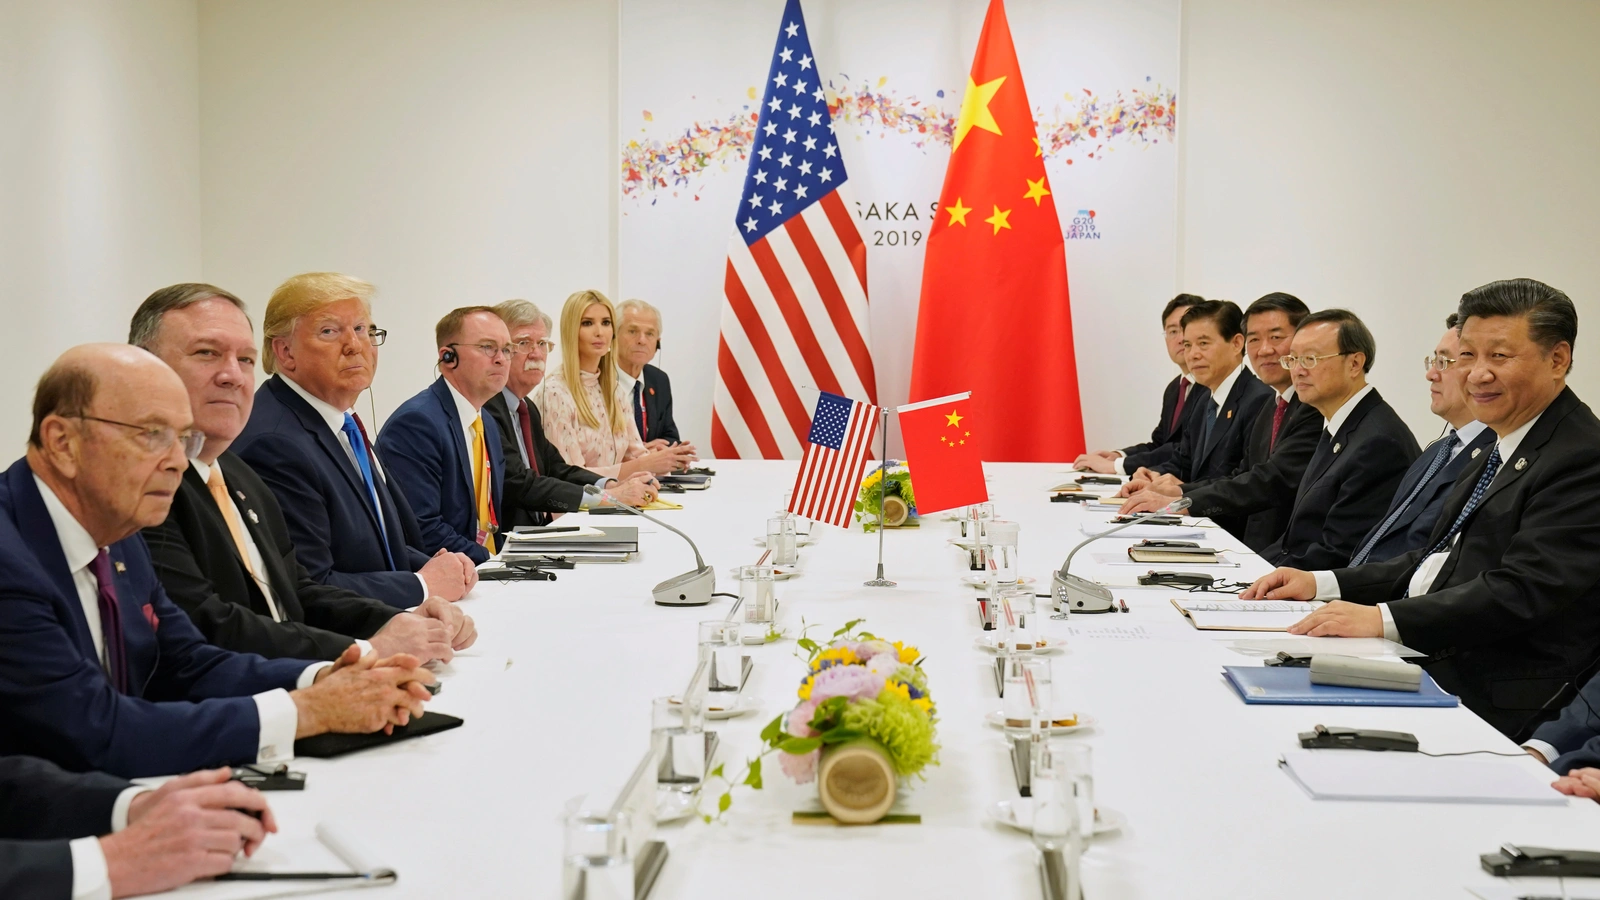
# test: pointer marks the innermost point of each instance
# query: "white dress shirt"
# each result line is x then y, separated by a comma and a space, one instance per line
1337, 420
90, 878
1422, 580
277, 714
1220, 395
335, 421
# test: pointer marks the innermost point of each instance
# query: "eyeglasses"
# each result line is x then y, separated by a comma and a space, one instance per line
335, 333
1305, 362
1430, 363
525, 346
489, 350
156, 439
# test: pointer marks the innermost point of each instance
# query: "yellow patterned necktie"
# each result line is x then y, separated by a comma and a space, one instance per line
481, 486
230, 514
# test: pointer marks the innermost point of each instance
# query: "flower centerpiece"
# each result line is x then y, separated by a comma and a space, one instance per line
894, 504
865, 722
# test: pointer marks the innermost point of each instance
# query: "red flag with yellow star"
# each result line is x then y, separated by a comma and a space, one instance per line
942, 453
995, 317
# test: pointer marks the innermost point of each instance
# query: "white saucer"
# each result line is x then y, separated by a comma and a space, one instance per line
978, 580
1018, 814
802, 540
779, 573
985, 641
1085, 722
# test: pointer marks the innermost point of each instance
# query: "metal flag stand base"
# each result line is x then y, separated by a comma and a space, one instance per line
883, 490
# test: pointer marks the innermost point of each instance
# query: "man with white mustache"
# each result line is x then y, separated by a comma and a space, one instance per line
538, 481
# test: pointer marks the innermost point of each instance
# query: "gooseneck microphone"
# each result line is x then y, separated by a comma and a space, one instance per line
689, 589
1075, 594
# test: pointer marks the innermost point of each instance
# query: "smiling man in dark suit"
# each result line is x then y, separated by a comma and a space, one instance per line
349, 525
1213, 341
224, 553
1363, 450
1505, 598
1254, 501
98, 668
1422, 492
1176, 400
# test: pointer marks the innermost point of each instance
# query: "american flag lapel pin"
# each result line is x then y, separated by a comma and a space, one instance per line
240, 495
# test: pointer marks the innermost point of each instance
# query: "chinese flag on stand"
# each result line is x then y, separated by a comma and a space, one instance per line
994, 316
942, 453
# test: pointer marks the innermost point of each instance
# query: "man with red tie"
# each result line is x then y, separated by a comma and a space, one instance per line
99, 669
1181, 396
538, 481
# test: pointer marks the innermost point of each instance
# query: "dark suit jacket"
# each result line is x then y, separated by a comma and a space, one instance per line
1411, 530
200, 567
657, 397
41, 809
1164, 439
188, 705
1346, 487
1201, 456
331, 523
426, 452
529, 498
1254, 502
1514, 614
1575, 734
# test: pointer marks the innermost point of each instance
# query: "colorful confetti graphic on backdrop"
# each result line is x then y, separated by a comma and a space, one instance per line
1087, 127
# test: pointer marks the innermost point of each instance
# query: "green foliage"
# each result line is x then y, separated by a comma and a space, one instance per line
905, 731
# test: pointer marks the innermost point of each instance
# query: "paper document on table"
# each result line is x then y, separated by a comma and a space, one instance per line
333, 850
1121, 559
572, 531
1534, 889
1244, 615
1361, 648
1414, 778
1159, 532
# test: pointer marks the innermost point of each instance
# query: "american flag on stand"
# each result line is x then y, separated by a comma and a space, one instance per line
794, 316
836, 453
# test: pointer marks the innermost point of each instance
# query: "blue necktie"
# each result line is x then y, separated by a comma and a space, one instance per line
638, 405
364, 463
1440, 457
1478, 490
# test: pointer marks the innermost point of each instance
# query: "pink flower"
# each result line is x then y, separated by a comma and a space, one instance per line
799, 723
853, 682
801, 769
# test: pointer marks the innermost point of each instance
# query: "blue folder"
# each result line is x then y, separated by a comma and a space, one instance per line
1283, 685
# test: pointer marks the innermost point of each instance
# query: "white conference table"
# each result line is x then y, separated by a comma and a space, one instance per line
477, 812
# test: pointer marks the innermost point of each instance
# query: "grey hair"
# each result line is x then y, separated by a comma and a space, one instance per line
146, 324
522, 313
640, 306
1551, 316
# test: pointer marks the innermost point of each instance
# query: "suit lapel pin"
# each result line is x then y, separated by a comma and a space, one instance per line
1230, 413
252, 514
121, 569
240, 495
1336, 448
1522, 463
1476, 451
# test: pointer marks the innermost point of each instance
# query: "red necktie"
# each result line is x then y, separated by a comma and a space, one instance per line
1177, 411
527, 434
1277, 422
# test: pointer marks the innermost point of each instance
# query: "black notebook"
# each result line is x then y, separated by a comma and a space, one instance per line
327, 746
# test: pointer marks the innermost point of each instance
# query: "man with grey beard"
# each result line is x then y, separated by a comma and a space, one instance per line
538, 481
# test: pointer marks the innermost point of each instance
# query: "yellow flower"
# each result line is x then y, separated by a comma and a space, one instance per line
924, 704
895, 687
842, 656
907, 655
871, 479
805, 689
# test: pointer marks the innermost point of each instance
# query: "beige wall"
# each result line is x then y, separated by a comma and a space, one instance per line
99, 183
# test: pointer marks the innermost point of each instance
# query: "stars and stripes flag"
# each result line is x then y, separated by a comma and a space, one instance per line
794, 312
836, 454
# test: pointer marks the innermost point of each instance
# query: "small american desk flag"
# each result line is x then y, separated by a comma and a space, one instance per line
836, 454
794, 311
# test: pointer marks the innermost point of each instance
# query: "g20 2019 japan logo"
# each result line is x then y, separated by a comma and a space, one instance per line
1082, 227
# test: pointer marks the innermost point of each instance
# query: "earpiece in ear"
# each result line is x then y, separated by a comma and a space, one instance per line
448, 357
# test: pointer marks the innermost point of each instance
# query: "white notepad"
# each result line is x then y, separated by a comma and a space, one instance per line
1414, 778
1244, 615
